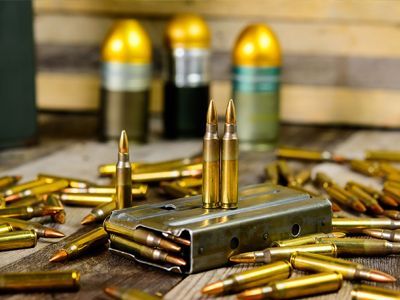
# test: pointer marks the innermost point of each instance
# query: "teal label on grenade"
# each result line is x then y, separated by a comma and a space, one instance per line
256, 79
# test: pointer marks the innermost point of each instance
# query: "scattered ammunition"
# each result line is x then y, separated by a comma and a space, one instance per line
211, 160
4, 228
367, 292
307, 239
375, 193
155, 176
344, 198
360, 223
145, 251
383, 155
392, 214
55, 201
138, 190
249, 279
123, 182
28, 201
6, 181
366, 167
321, 263
362, 247
385, 234
72, 182
99, 213
39, 190
17, 240
79, 245
297, 287
142, 236
176, 239
310, 155
23, 186
39, 281
301, 178
41, 230
230, 160
128, 294
286, 172
369, 201
84, 199
279, 253
272, 173
28, 212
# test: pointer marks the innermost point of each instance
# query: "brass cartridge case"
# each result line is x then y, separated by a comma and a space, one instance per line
138, 190
39, 281
84, 199
123, 183
367, 292
55, 201
230, 161
301, 178
369, 201
385, 234
142, 236
393, 177
249, 279
366, 167
129, 294
5, 227
360, 223
297, 287
28, 201
321, 263
155, 176
285, 172
308, 155
211, 160
345, 198
388, 168
28, 212
175, 190
272, 173
307, 239
17, 240
383, 155
392, 214
6, 181
99, 213
72, 182
41, 230
23, 186
375, 193
362, 247
47, 188
145, 251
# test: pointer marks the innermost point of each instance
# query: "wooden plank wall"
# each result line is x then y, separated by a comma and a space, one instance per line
341, 58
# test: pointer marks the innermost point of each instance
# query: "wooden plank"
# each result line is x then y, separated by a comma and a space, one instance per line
307, 38
352, 10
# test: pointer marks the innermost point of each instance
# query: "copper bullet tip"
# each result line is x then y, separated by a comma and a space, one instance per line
88, 219
247, 257
339, 234
256, 293
388, 200
175, 260
60, 255
123, 143
212, 117
112, 291
376, 233
213, 288
230, 117
358, 206
377, 209
52, 233
379, 276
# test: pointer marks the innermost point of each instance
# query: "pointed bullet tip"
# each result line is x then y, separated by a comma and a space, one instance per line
381, 276
52, 233
243, 258
230, 117
88, 219
112, 291
213, 288
339, 234
212, 117
123, 142
61, 255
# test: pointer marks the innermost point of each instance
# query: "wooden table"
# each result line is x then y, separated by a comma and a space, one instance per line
79, 158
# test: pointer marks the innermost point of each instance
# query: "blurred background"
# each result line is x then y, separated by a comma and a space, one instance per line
340, 59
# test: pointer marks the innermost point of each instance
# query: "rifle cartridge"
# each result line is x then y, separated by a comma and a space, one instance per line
378, 195
18, 240
138, 190
28, 212
385, 234
41, 230
188, 171
123, 183
47, 188
383, 155
367, 168
360, 223
301, 178
5, 227
72, 182
99, 213
367, 292
307, 239
6, 181
28, 201
85, 199
369, 201
175, 190
308, 155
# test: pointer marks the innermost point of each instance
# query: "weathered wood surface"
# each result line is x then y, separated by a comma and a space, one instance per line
99, 269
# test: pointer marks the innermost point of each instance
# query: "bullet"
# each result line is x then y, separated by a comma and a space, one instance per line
28, 201
362, 247
279, 253
360, 223
385, 234
393, 192
123, 184
393, 177
211, 160
344, 198
45, 281
128, 294
187, 84
352, 271
230, 160
72, 182
301, 178
366, 168
138, 190
285, 172
173, 189
17, 240
41, 230
23, 186
383, 155
142, 236
188, 171
298, 287
145, 251
99, 213
308, 155
94, 238
58, 217
47, 188
370, 202
174, 238
392, 214
5, 227
6, 181
126, 62
249, 279
85, 199
272, 173
307, 239
190, 182
367, 292
375, 193
28, 212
